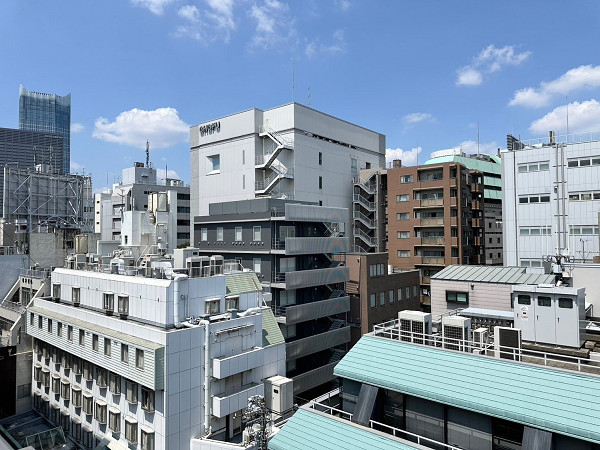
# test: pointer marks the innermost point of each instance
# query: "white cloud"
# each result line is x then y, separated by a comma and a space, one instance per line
162, 127
470, 147
417, 117
272, 20
582, 77
344, 5
160, 174
189, 12
336, 46
154, 6
408, 157
584, 116
489, 60
75, 166
77, 127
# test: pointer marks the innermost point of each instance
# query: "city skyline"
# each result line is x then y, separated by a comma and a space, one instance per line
428, 76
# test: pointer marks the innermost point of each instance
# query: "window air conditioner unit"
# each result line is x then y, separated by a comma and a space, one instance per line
507, 343
415, 326
456, 333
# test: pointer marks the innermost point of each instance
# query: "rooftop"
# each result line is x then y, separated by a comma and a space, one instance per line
492, 274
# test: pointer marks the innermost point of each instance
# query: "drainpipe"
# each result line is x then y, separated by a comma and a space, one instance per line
207, 428
176, 299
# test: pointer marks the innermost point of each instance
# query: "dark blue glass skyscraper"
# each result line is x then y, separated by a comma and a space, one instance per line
48, 113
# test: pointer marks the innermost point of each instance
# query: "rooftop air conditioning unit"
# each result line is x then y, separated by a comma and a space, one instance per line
507, 343
415, 326
480, 340
456, 333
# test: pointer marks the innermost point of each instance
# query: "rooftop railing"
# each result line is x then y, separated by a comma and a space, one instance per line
571, 138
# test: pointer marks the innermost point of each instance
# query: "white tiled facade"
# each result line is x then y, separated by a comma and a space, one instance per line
551, 201
170, 384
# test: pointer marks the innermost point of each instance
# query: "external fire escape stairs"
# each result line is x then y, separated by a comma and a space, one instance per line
271, 162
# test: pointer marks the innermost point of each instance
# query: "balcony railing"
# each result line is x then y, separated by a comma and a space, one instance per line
223, 405
432, 221
227, 366
435, 260
310, 311
317, 343
312, 277
313, 378
432, 202
433, 240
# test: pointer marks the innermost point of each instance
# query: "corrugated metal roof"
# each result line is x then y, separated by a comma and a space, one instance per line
554, 400
242, 282
492, 274
471, 163
309, 429
271, 334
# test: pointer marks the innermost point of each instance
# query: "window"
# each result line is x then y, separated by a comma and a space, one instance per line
59, 329
147, 439
131, 430
139, 358
402, 216
382, 298
49, 325
31, 319
40, 322
401, 198
220, 234
453, 212
147, 399
320, 158
453, 172
81, 337
123, 305
106, 347
65, 389
238, 234
391, 296
406, 179
403, 253
88, 402
114, 420
77, 366
213, 164
204, 234
212, 306
399, 294
407, 292
76, 396
372, 298
131, 391
454, 232
544, 301
256, 265
524, 300
415, 290
353, 167
457, 297
100, 412
88, 370
565, 302
101, 377
56, 290
95, 342
232, 302
70, 332
88, 438
75, 295
320, 182
125, 353
256, 234
114, 383
403, 234
108, 302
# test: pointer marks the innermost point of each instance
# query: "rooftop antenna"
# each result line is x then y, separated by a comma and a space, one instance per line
567, 100
308, 97
147, 153
478, 138
293, 81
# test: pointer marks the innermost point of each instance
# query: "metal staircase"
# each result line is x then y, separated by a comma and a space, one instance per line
270, 162
337, 323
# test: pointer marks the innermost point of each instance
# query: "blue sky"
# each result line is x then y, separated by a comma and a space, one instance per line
423, 73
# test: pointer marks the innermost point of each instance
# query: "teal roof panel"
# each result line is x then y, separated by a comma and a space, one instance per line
492, 274
555, 400
313, 430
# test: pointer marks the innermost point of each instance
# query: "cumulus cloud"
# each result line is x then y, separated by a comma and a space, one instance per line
162, 127
189, 12
470, 147
272, 19
216, 24
417, 117
582, 77
77, 127
584, 116
489, 60
154, 6
408, 157
344, 5
160, 174
335, 46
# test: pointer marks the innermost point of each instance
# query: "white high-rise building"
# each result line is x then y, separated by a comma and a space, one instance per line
551, 198
291, 152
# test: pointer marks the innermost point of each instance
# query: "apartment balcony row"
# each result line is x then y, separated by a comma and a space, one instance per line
292, 314
317, 343
227, 366
311, 245
310, 278
431, 202
477, 204
477, 223
223, 405
433, 240
476, 187
432, 221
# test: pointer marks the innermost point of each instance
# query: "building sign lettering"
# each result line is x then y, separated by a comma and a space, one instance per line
210, 128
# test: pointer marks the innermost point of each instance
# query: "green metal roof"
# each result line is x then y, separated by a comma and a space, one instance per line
492, 274
242, 282
271, 334
471, 163
309, 429
554, 400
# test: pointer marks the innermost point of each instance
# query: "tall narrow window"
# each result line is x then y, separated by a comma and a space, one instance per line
220, 234
256, 234
204, 234
320, 158
124, 354
238, 234
139, 358
320, 182
257, 265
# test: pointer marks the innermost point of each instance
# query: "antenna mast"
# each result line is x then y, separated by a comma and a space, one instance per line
147, 153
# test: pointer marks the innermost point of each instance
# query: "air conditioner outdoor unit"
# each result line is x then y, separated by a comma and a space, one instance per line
456, 333
480, 338
507, 343
415, 326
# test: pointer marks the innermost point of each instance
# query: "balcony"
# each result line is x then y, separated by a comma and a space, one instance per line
425, 280
432, 221
317, 343
225, 367
312, 245
289, 315
433, 260
477, 240
477, 223
314, 378
314, 277
476, 187
223, 405
429, 202
433, 240
476, 205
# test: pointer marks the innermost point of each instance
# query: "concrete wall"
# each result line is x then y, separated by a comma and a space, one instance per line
10, 267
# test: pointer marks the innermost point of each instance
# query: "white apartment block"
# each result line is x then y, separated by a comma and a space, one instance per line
551, 198
291, 152
151, 362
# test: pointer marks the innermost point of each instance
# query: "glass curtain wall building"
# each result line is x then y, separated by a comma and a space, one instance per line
49, 113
